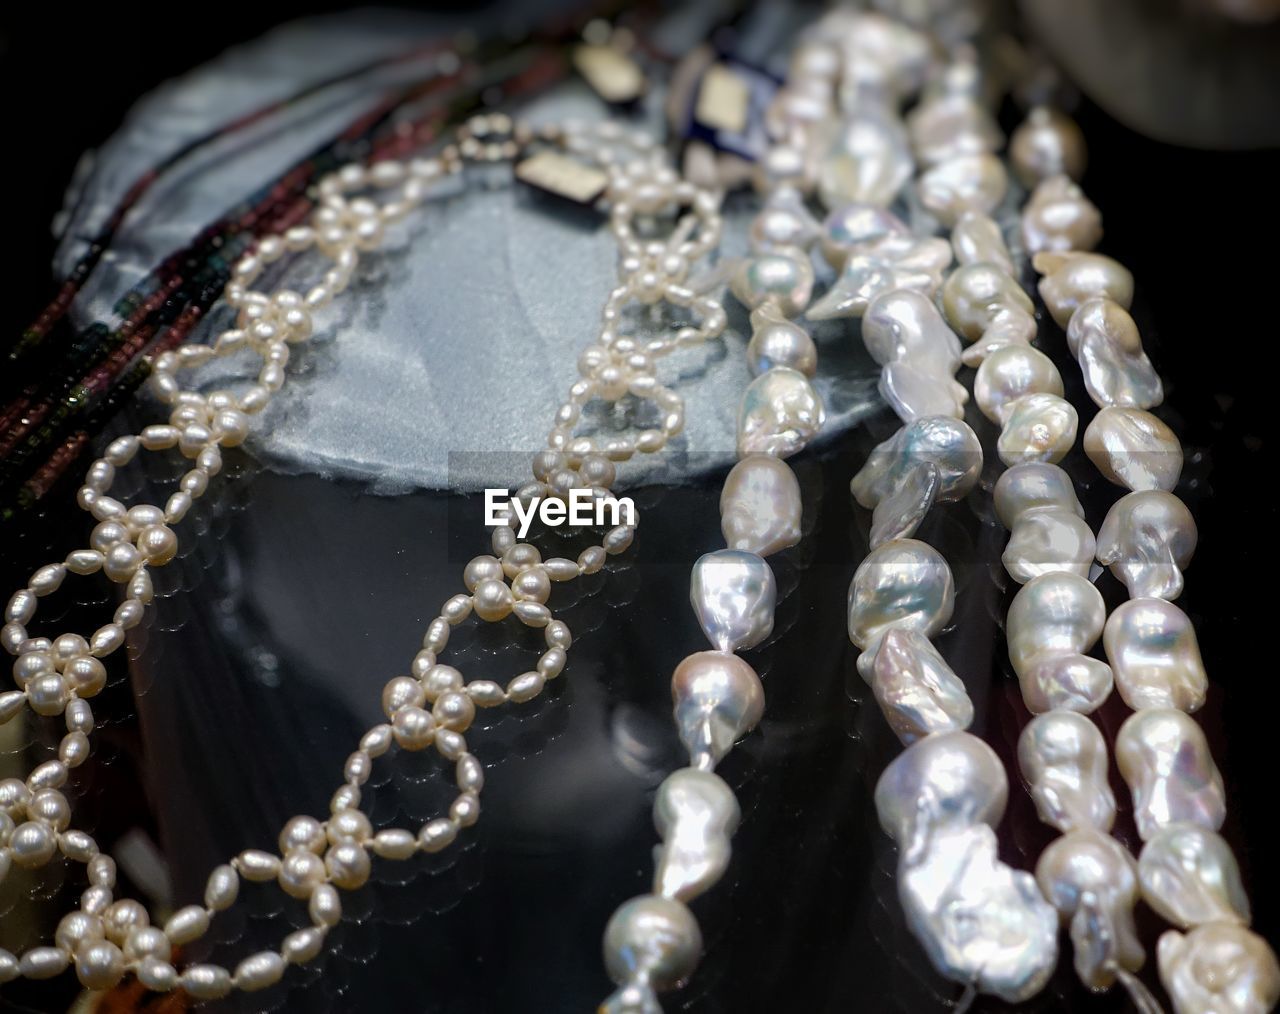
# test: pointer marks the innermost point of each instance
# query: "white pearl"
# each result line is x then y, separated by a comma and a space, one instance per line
1164, 758
1059, 217
695, 813
976, 238
779, 414
760, 506
1053, 620
1190, 877
1133, 448
1147, 539
867, 162
1038, 427
1090, 878
1219, 968
775, 341
781, 277
1116, 370
1072, 278
718, 700
964, 183
1152, 648
1063, 757
1047, 143
1010, 373
916, 689
904, 584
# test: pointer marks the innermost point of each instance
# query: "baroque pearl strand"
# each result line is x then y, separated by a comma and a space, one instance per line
1186, 871
1057, 616
942, 797
434, 705
652, 942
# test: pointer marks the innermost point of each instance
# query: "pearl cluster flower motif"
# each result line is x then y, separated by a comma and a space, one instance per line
431, 707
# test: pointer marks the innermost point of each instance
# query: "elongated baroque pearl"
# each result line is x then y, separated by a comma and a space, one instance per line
1052, 621
906, 334
760, 506
904, 584
718, 699
1091, 880
1147, 539
1152, 648
780, 414
1164, 758
1070, 279
1134, 449
976, 239
1116, 370
916, 689
1063, 757
1219, 968
1190, 877
1060, 217
733, 595
950, 125
1036, 501
695, 813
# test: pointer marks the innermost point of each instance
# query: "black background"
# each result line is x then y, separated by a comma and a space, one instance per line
1197, 229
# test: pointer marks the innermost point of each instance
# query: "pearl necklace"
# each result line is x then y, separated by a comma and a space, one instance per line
433, 706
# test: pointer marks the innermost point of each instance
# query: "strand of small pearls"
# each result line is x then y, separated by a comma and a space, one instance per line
433, 706
1185, 871
652, 942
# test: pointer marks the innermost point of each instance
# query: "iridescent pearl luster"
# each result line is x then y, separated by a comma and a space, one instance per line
986, 306
1152, 648
1190, 877
695, 814
1063, 757
857, 228
1010, 373
1037, 503
980, 921
1164, 758
1053, 620
916, 689
1090, 878
1116, 370
1147, 539
650, 943
965, 183
783, 277
976, 238
867, 161
760, 506
775, 341
1219, 968
1059, 217
733, 595
947, 444
780, 414
1038, 427
1134, 449
718, 700
904, 584
1072, 278
905, 333
1047, 143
